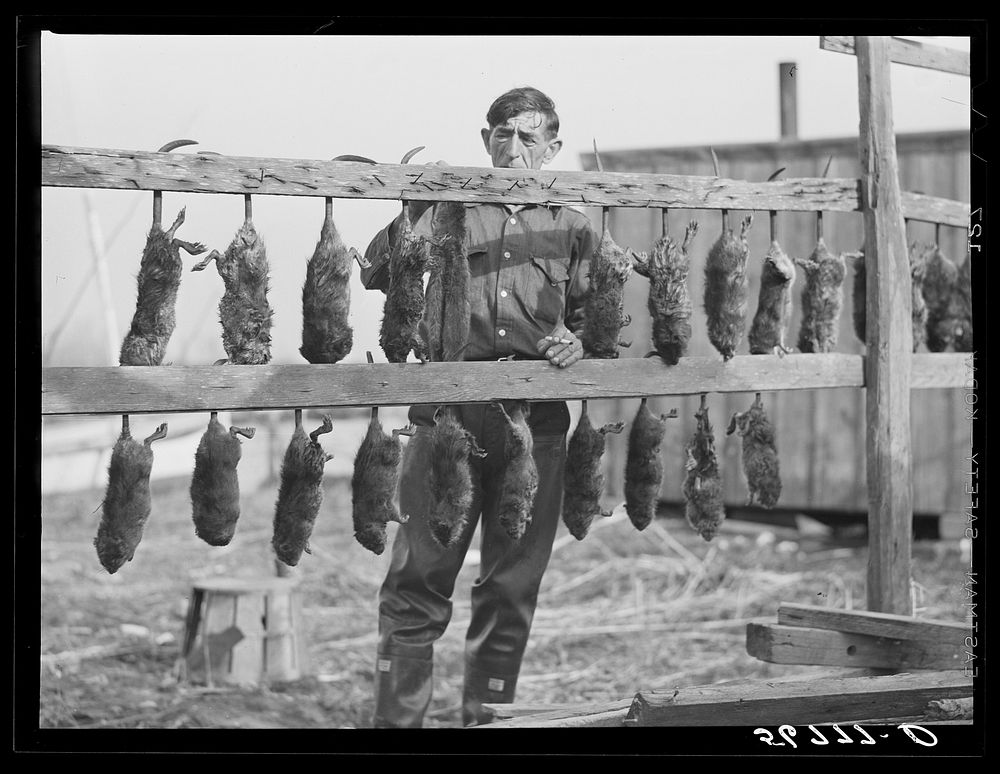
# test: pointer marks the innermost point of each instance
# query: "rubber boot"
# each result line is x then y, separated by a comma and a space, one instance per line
402, 691
483, 687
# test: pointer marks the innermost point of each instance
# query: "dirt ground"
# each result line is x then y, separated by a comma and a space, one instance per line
618, 612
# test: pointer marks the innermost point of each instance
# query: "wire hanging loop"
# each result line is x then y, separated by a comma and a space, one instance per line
368, 356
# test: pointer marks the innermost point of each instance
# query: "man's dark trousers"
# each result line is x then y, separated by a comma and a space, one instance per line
415, 599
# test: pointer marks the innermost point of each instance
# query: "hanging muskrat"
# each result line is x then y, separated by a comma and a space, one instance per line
215, 488
704, 509
918, 259
643, 466
300, 492
448, 305
610, 268
449, 481
404, 301
669, 303
159, 278
726, 287
918, 270
244, 311
520, 474
960, 309
373, 485
127, 503
583, 482
859, 299
760, 454
327, 336
939, 284
822, 296
774, 304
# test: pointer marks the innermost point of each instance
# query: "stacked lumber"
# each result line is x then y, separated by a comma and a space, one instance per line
805, 634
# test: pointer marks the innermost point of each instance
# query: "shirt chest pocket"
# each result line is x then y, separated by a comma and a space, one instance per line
543, 287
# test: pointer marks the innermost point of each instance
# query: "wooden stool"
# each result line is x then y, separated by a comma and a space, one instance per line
243, 630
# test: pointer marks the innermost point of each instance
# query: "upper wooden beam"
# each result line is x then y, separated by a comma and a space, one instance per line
206, 173
909, 52
165, 389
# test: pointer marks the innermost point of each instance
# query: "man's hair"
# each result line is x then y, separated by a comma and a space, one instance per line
520, 100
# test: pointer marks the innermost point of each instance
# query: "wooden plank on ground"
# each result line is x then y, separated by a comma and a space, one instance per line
608, 715
909, 52
196, 172
901, 627
889, 342
799, 702
162, 389
780, 644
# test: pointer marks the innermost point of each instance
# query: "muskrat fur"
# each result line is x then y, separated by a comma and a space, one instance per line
127, 502
159, 278
449, 480
447, 300
859, 299
704, 507
244, 311
373, 486
774, 304
300, 492
918, 270
643, 466
327, 336
760, 454
939, 284
610, 268
960, 308
520, 474
404, 301
822, 299
669, 302
583, 482
726, 289
215, 488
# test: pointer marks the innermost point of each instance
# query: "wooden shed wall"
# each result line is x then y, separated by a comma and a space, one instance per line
820, 433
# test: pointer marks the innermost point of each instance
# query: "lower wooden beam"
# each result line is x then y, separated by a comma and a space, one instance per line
799, 702
165, 389
779, 644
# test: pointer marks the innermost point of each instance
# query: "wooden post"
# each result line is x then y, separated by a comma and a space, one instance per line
889, 339
787, 92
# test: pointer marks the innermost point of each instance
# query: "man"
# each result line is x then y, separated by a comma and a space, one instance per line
528, 268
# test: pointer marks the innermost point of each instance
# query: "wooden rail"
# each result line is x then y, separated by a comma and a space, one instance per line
207, 173
889, 340
910, 52
164, 389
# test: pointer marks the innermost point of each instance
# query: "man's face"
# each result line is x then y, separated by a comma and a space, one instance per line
522, 142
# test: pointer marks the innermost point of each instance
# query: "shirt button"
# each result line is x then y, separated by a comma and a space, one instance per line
513, 221
502, 332
503, 294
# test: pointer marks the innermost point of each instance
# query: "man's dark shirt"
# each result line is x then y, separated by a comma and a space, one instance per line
528, 274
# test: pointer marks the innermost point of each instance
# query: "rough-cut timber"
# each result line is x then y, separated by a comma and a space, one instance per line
147, 389
910, 52
205, 173
779, 644
901, 627
889, 340
807, 701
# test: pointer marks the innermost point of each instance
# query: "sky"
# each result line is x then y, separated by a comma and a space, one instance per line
378, 96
